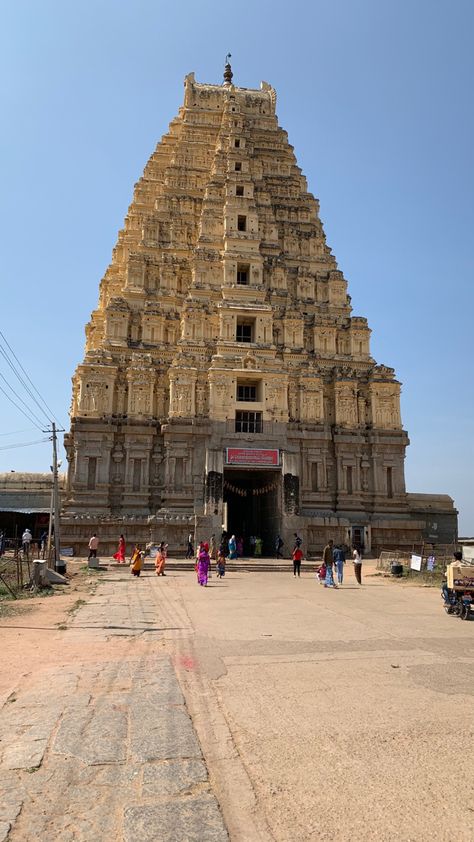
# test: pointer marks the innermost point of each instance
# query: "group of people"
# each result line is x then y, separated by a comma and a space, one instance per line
30, 547
334, 556
137, 557
206, 553
232, 546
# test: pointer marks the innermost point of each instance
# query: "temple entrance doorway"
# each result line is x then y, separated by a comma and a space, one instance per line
253, 505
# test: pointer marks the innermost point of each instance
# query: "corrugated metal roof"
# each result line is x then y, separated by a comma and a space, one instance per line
28, 511
25, 501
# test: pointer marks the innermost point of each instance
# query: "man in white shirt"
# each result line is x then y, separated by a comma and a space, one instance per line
357, 558
26, 539
93, 544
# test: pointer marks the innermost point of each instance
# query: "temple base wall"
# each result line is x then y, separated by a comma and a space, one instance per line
379, 533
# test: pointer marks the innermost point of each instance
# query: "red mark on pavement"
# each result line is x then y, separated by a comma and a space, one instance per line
186, 662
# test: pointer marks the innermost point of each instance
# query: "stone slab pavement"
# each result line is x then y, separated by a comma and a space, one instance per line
105, 750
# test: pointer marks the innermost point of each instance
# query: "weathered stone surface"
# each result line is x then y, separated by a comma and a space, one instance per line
95, 728
4, 830
96, 736
191, 819
161, 734
173, 777
24, 754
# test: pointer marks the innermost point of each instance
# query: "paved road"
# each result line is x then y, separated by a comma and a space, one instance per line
102, 748
350, 711
320, 715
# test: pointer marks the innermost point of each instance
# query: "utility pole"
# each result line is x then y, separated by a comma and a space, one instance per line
51, 516
59, 566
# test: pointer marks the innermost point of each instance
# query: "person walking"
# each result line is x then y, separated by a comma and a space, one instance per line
190, 548
119, 556
297, 556
203, 565
357, 560
258, 546
136, 561
26, 540
278, 545
232, 547
93, 545
220, 565
340, 560
160, 560
224, 543
328, 560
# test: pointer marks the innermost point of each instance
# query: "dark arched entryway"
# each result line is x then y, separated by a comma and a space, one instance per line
253, 505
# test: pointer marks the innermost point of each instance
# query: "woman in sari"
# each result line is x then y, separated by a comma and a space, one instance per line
233, 547
136, 561
119, 556
160, 560
203, 565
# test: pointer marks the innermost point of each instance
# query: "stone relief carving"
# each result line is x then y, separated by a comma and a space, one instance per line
346, 407
93, 397
140, 399
386, 411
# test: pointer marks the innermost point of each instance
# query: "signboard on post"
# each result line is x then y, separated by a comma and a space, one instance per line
252, 458
415, 563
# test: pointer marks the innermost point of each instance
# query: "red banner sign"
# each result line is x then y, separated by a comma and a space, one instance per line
241, 456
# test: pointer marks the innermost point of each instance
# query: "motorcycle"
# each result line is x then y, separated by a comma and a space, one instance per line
457, 602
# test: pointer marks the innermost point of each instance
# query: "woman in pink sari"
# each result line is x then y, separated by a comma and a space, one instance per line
203, 565
119, 556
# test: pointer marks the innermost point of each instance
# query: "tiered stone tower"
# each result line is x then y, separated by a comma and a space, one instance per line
225, 380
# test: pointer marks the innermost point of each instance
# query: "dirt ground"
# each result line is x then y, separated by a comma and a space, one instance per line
30, 628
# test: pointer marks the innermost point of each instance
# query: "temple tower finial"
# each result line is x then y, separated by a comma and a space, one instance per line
228, 70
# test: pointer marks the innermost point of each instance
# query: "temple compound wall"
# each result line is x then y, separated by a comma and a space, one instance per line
225, 380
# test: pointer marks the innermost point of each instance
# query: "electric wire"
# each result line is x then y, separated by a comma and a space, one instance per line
48, 413
29, 415
24, 444
17, 432
26, 406
25, 386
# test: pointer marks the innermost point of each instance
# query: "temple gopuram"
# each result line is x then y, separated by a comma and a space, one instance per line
226, 383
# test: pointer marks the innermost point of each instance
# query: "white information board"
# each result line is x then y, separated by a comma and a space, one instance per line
415, 562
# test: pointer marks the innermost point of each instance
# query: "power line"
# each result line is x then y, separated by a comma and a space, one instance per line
24, 444
16, 432
49, 413
26, 407
19, 377
29, 417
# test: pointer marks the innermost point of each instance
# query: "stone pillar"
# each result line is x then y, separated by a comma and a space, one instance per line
214, 482
291, 483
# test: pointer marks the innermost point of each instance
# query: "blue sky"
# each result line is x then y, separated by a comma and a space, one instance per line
377, 99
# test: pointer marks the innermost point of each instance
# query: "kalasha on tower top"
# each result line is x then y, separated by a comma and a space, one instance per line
225, 381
